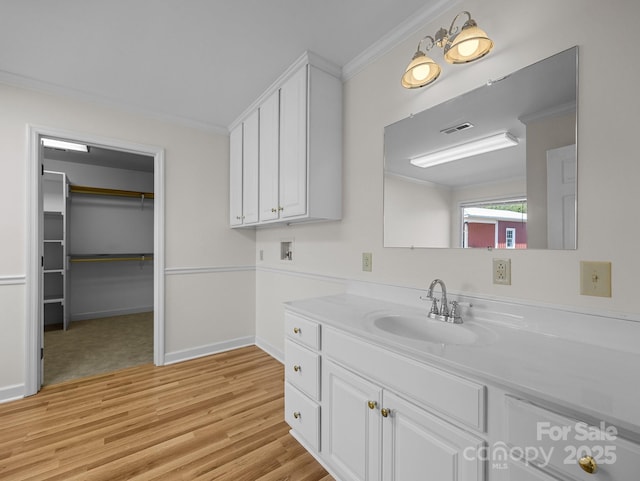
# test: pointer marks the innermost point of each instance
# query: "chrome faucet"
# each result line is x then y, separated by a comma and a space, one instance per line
443, 313
444, 310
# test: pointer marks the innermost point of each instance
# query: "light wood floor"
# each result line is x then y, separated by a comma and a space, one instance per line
213, 418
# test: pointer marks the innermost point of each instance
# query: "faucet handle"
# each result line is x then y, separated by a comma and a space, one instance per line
454, 315
434, 304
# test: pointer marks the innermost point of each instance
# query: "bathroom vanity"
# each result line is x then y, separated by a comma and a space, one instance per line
377, 391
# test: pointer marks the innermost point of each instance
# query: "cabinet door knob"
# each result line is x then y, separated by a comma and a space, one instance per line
274, 210
296, 415
372, 404
296, 330
588, 464
297, 368
280, 208
385, 412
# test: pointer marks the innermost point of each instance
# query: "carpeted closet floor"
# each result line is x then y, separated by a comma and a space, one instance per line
97, 346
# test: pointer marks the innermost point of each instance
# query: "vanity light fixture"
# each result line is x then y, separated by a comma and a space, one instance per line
64, 145
461, 45
468, 149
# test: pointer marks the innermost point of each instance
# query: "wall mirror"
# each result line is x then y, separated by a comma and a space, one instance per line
521, 196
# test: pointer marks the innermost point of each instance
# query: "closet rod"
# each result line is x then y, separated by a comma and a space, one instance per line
112, 259
81, 189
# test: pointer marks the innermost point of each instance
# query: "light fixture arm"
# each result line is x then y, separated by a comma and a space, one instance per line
469, 22
430, 46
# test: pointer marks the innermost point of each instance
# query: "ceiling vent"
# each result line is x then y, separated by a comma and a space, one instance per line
457, 128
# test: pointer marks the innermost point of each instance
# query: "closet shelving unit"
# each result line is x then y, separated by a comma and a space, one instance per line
121, 257
55, 296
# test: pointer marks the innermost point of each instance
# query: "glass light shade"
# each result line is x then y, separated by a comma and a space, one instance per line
421, 71
470, 44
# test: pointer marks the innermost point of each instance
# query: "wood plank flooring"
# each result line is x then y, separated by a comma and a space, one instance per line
213, 418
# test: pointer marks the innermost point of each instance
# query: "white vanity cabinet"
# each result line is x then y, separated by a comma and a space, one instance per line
367, 423
302, 379
370, 431
299, 147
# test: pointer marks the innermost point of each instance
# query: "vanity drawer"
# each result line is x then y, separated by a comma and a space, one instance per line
453, 396
302, 368
554, 443
302, 330
303, 415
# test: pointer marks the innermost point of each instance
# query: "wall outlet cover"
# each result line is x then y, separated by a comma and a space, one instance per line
502, 271
595, 278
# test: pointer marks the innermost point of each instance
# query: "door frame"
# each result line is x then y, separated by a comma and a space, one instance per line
34, 328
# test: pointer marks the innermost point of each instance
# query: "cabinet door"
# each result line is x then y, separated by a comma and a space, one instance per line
350, 428
417, 445
269, 157
250, 160
293, 145
235, 176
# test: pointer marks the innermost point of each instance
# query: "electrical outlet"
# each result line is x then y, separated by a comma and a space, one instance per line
502, 271
595, 278
367, 259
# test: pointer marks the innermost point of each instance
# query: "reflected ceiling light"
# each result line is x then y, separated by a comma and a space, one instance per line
64, 145
468, 149
461, 45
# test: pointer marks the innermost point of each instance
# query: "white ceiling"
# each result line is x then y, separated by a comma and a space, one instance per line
199, 61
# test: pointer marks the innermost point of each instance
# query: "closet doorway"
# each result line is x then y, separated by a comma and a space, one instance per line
99, 229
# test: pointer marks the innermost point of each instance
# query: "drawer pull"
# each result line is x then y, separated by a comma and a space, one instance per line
385, 412
296, 414
588, 464
297, 368
372, 404
296, 330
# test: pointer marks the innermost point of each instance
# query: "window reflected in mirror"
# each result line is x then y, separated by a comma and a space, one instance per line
495, 225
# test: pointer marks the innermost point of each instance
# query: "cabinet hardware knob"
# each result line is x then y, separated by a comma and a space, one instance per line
588, 464
280, 208
296, 330
372, 404
238, 217
274, 210
296, 415
385, 412
297, 368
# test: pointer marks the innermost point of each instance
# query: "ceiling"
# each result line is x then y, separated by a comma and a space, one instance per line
198, 61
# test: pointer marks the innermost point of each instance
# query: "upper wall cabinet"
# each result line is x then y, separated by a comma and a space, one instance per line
286, 149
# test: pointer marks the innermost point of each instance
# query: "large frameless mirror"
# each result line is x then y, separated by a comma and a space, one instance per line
493, 168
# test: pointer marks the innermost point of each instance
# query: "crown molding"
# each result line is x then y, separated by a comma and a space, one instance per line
29, 83
398, 35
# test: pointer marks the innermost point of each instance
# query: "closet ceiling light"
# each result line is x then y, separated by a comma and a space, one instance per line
461, 45
468, 149
64, 145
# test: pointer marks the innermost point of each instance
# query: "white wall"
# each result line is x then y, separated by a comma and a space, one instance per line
608, 170
199, 245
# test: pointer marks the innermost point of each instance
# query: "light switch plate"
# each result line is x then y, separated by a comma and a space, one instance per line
595, 278
367, 260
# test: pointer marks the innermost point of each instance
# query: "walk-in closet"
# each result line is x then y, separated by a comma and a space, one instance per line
98, 214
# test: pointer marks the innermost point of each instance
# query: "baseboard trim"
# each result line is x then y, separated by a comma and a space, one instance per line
270, 349
201, 351
12, 393
83, 316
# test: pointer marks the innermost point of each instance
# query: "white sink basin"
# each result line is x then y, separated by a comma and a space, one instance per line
421, 328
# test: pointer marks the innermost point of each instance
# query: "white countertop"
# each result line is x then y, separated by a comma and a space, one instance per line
602, 382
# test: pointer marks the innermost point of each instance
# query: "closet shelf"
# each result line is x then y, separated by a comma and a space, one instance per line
81, 189
111, 258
